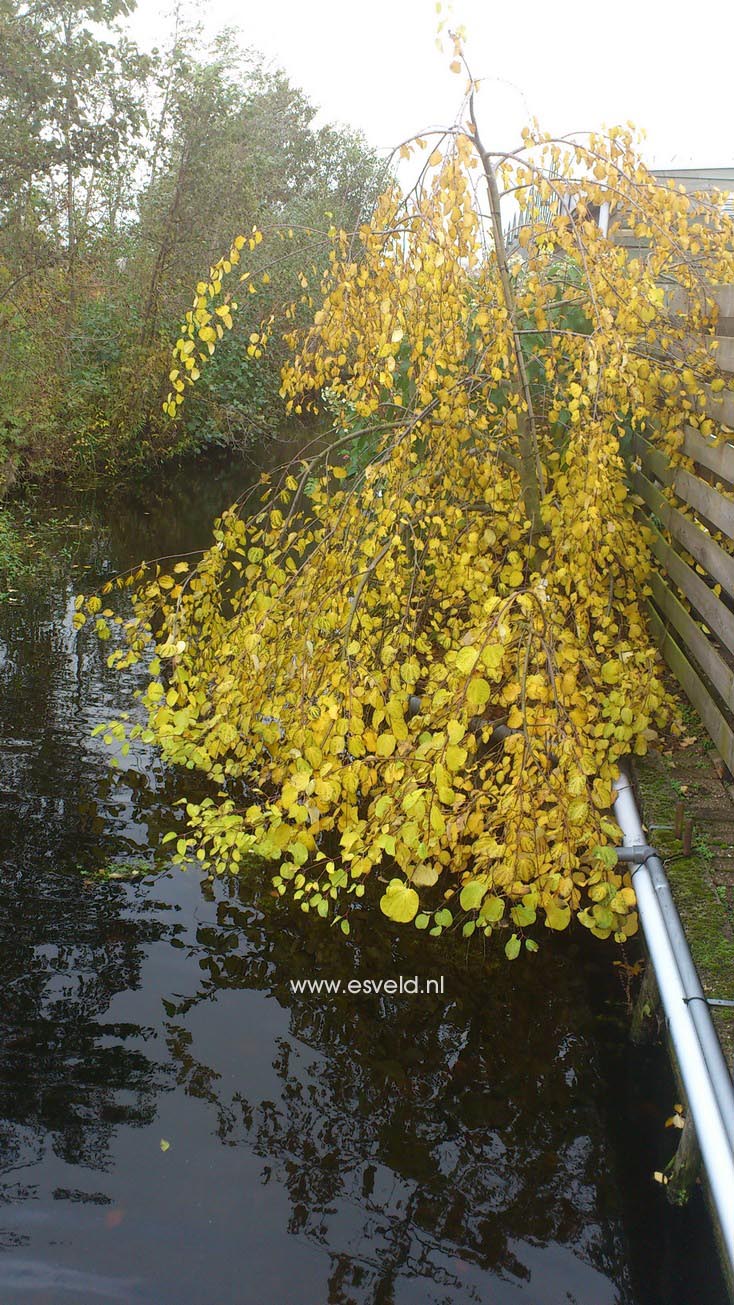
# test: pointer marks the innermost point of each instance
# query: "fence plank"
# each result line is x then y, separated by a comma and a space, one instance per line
703, 498
706, 500
719, 407
720, 730
723, 352
653, 459
724, 296
718, 458
678, 299
691, 536
696, 644
699, 663
710, 608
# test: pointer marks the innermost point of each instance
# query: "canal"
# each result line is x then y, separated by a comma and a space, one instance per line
178, 1126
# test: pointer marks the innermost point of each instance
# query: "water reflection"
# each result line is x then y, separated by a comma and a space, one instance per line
72, 1077
349, 1150
436, 1149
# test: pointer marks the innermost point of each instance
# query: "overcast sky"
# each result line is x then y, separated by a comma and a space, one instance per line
576, 64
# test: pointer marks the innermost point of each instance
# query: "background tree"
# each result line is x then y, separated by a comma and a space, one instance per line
71, 88
239, 147
120, 175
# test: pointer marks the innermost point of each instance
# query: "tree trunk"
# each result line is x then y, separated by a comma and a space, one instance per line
69, 162
531, 471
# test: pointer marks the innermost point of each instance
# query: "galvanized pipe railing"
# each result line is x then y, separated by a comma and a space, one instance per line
703, 1069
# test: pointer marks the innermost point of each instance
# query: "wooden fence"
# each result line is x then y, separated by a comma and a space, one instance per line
692, 624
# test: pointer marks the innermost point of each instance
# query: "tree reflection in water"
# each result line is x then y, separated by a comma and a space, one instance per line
422, 1139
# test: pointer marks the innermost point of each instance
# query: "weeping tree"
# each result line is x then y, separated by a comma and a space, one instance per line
411, 667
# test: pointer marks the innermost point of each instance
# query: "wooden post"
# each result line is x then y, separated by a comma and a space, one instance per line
644, 1023
684, 1168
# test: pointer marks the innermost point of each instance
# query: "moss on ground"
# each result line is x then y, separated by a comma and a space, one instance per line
703, 882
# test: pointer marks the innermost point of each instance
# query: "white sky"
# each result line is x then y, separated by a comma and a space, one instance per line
576, 64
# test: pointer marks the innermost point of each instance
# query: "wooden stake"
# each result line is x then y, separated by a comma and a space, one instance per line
643, 1024
684, 1168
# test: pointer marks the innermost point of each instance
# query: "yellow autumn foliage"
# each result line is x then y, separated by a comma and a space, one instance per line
393, 666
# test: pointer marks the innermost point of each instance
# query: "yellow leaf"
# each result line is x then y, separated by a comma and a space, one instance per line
477, 694
399, 902
466, 659
425, 876
492, 910
492, 656
557, 915
577, 811
385, 745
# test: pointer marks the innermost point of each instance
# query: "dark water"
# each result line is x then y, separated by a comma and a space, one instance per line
493, 1144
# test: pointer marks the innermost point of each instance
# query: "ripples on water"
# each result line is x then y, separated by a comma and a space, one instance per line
491, 1145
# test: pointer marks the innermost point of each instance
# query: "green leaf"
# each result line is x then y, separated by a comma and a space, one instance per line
512, 947
444, 918
607, 856
523, 914
603, 916
472, 894
493, 908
